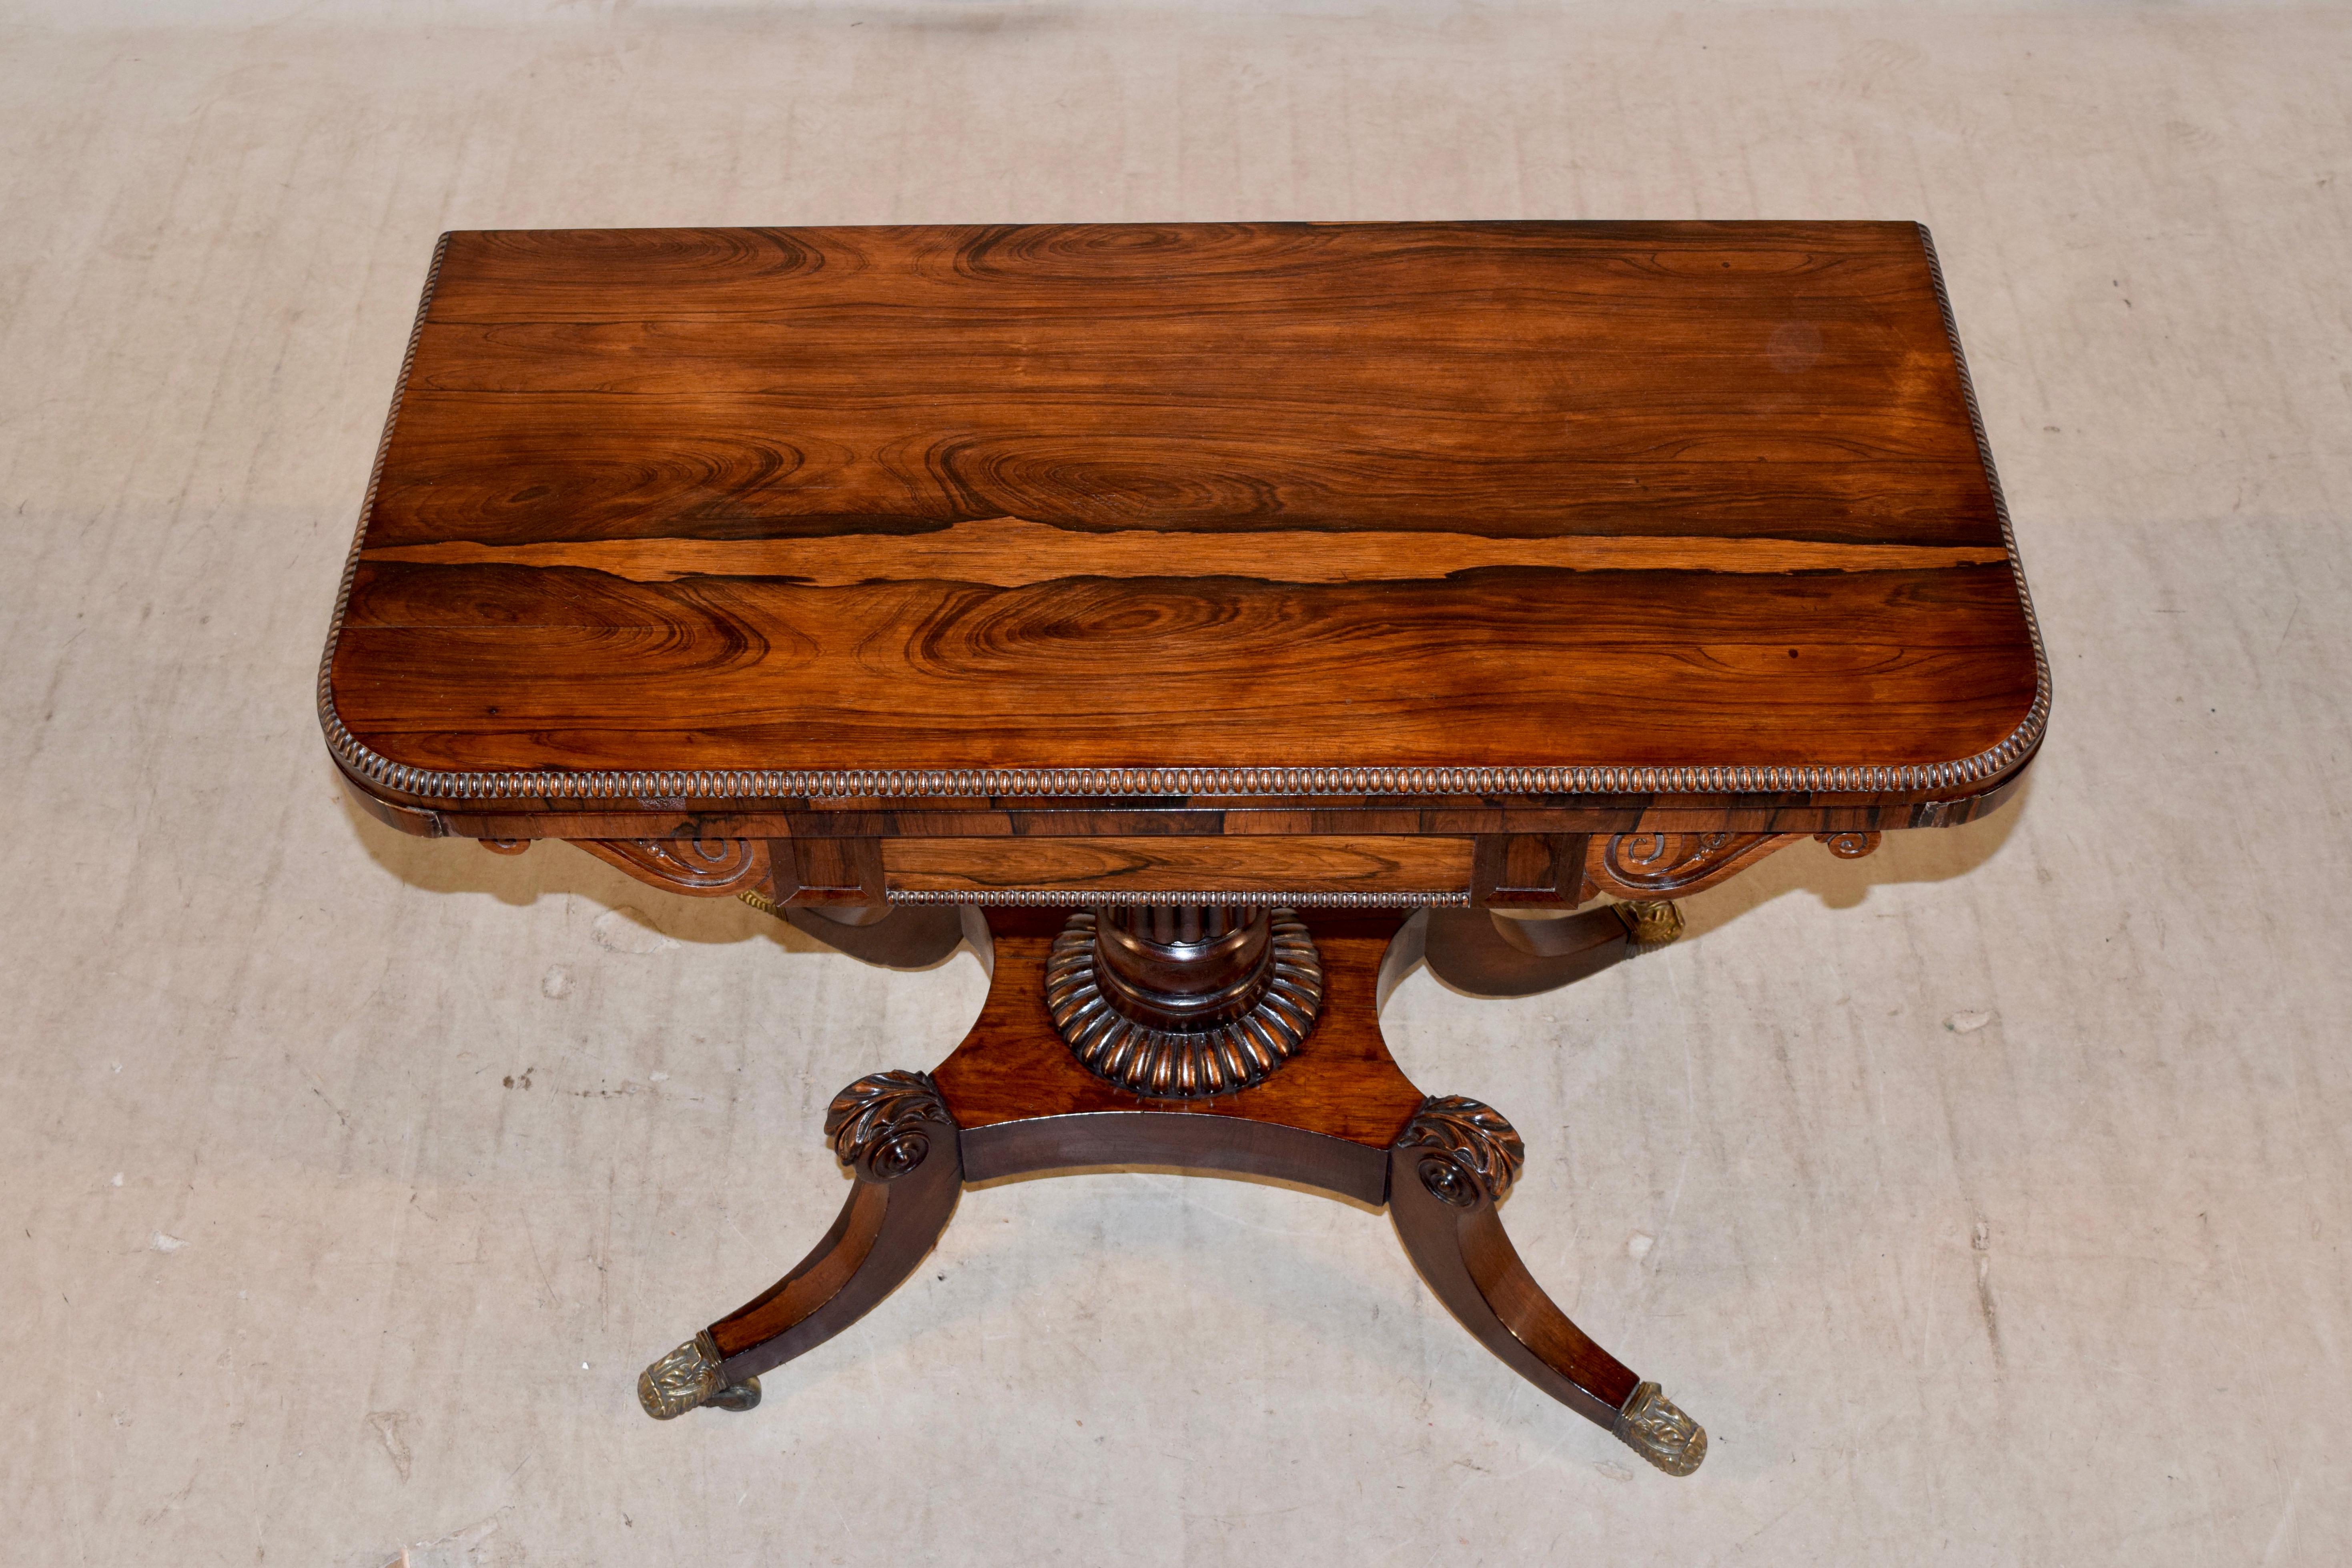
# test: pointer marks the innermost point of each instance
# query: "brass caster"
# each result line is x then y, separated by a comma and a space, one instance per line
689, 1376
1652, 1427
1650, 924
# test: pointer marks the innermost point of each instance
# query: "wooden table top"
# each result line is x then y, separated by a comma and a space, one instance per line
1549, 512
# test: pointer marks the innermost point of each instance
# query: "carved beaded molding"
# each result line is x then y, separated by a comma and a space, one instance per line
672, 788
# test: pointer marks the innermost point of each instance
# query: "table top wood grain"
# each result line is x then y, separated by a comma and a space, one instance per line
1535, 514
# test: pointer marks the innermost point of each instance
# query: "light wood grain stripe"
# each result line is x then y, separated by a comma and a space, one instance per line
1012, 552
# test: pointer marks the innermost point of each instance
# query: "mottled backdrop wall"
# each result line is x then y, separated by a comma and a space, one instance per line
1987, 1199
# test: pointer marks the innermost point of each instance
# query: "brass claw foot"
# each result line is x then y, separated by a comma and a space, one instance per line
689, 1376
1655, 1427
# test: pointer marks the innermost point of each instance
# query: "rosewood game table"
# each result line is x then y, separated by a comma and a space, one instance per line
1208, 624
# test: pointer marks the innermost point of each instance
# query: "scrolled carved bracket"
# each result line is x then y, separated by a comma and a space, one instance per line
1474, 1152
1849, 845
882, 1125
1667, 865
705, 867
1655, 1427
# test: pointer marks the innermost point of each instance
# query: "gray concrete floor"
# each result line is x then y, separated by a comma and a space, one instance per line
291, 1272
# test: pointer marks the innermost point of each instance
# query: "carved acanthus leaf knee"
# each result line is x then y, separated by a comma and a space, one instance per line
882, 1125
1474, 1152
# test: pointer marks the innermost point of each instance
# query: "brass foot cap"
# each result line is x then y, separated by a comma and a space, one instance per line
1655, 1427
689, 1377
1650, 923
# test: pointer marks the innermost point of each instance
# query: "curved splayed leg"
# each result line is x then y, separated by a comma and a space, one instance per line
895, 1134
1451, 1165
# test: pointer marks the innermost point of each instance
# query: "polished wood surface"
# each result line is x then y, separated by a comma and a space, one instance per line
714, 521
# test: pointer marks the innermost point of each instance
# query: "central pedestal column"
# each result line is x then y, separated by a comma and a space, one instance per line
1184, 1001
